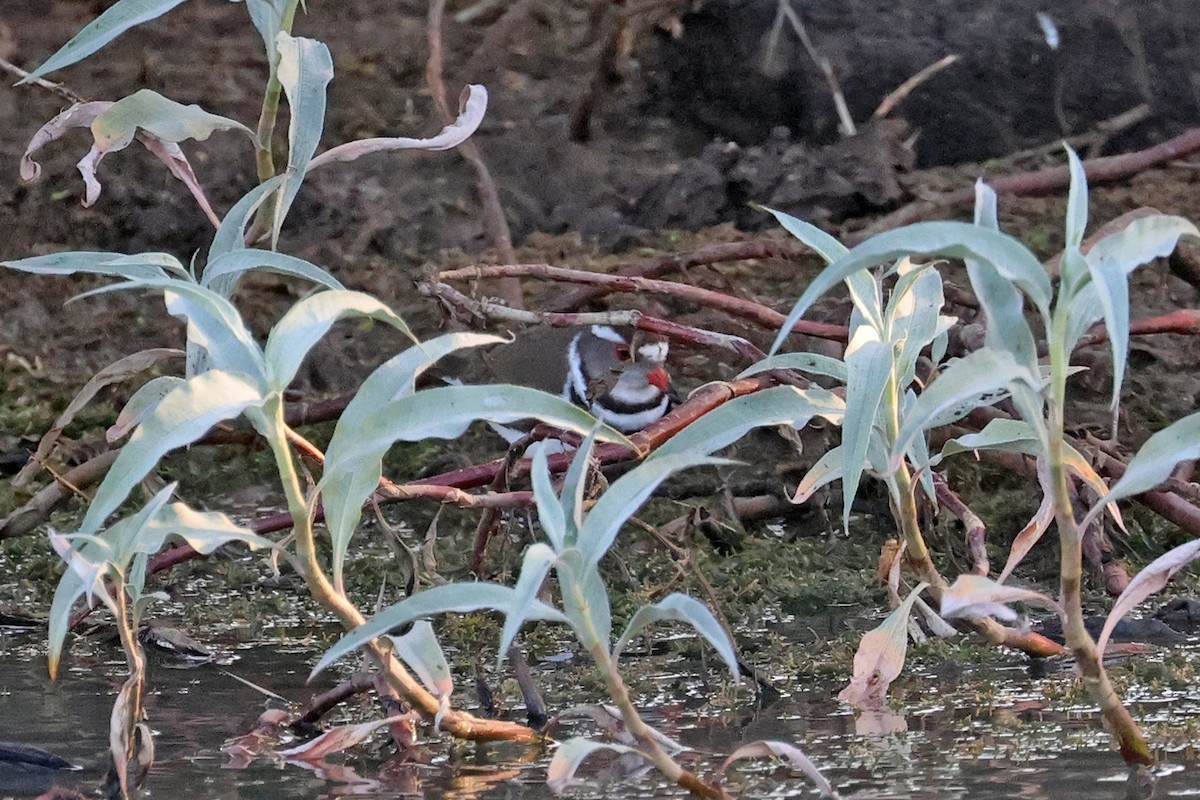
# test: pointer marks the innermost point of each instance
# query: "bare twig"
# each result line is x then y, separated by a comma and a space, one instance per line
489, 196
897, 95
976, 531
845, 121
58, 88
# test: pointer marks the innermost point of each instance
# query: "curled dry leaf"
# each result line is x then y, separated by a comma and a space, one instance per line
880, 657
790, 753
975, 595
1153, 577
451, 136
79, 115
337, 739
570, 754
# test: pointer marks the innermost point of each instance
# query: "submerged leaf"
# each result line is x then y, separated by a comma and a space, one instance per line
793, 755
335, 740
880, 657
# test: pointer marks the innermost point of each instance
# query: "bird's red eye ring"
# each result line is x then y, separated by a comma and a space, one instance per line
623, 353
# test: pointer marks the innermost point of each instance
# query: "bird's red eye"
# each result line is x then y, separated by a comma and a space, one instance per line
623, 353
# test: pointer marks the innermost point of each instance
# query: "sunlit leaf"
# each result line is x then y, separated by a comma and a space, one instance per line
419, 649
574, 488
869, 364
1007, 256
304, 69
309, 320
551, 516
460, 598
681, 608
115, 20
790, 753
1077, 201
975, 595
729, 422
880, 656
826, 470
802, 362
181, 417
535, 564
1179, 441
140, 404
585, 599
236, 262
625, 496
1148, 581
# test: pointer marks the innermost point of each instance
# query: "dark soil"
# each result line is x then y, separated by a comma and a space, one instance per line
687, 133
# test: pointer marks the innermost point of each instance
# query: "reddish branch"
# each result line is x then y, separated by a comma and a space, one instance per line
976, 531
675, 262
1099, 170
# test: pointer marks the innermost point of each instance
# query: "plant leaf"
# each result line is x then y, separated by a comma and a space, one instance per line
231, 235
140, 405
536, 563
869, 364
1153, 464
574, 488
801, 362
880, 657
451, 136
764, 748
181, 417
309, 320
304, 69
569, 755
115, 20
337, 739
454, 597
585, 600
1008, 257
116, 265
779, 405
625, 496
972, 595
681, 608
1077, 201
826, 470
419, 648
1148, 581
236, 262
550, 510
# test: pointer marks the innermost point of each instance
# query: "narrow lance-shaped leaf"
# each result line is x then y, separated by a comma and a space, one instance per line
140, 405
182, 417
1148, 581
1007, 256
115, 20
419, 648
458, 598
1153, 464
880, 657
1077, 201
236, 262
779, 405
304, 69
337, 739
802, 362
450, 136
115, 265
869, 363
585, 600
975, 595
681, 608
792, 754
574, 489
309, 320
551, 516
626, 496
537, 562
569, 755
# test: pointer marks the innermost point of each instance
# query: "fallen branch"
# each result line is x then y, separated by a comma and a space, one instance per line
976, 531
1099, 170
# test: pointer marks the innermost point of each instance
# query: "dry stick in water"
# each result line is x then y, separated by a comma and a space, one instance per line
489, 197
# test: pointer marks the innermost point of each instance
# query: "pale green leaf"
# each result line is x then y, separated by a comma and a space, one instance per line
304, 69
115, 20
826, 470
536, 563
1006, 255
575, 488
309, 320
987, 214
801, 362
681, 608
626, 495
585, 599
236, 262
231, 235
869, 364
181, 417
459, 598
1077, 201
779, 405
115, 265
1179, 441
142, 403
569, 755
420, 650
159, 116
551, 515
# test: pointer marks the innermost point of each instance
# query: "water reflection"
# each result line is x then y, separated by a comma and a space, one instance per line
1014, 746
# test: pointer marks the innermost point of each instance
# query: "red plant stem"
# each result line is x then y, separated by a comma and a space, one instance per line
976, 533
1183, 321
673, 262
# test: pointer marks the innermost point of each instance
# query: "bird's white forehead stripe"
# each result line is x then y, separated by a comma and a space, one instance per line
656, 352
607, 333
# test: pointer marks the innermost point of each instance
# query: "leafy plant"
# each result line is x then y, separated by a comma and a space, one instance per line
576, 543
